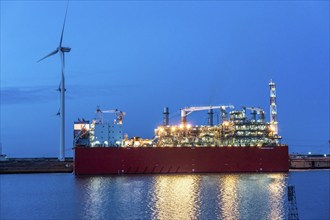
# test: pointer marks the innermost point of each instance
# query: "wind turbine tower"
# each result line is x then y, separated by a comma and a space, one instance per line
61, 89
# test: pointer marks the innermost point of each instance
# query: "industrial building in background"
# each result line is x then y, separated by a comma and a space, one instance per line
242, 142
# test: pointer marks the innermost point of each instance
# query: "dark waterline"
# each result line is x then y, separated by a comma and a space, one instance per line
205, 196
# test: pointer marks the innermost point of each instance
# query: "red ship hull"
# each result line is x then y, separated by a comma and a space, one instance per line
140, 160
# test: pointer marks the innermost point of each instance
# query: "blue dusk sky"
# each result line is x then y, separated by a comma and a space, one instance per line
140, 56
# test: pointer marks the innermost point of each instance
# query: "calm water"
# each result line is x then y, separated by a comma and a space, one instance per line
209, 196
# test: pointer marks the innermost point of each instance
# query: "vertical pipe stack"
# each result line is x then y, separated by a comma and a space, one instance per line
166, 114
210, 121
183, 117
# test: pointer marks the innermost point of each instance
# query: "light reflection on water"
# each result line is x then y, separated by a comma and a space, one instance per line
276, 193
228, 197
209, 196
206, 196
175, 197
95, 197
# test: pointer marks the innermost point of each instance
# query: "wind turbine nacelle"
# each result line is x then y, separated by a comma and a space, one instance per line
65, 49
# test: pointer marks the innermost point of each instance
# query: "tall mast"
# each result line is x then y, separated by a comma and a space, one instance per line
273, 109
62, 111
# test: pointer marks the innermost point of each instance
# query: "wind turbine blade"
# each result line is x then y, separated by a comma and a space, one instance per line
51, 54
64, 25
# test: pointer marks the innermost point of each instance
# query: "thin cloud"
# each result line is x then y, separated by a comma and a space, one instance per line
19, 95
38, 94
100, 89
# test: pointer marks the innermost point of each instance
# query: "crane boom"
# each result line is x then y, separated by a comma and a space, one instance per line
188, 110
120, 114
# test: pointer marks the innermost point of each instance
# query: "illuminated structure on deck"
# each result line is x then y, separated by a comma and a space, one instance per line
237, 130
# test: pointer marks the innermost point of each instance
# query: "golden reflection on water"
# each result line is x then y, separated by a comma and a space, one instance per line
251, 196
176, 197
228, 198
238, 196
205, 196
276, 194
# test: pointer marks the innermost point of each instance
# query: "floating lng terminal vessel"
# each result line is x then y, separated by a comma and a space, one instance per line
239, 143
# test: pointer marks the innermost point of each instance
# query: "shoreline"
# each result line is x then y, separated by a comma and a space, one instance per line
35, 165
52, 165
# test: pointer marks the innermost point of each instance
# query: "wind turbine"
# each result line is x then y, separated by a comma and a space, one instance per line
61, 89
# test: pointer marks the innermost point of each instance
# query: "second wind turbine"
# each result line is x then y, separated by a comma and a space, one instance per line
61, 89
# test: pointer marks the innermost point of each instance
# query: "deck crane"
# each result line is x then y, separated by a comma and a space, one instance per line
188, 110
84, 130
120, 114
255, 111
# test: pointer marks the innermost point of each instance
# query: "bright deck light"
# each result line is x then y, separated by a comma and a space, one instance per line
272, 128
